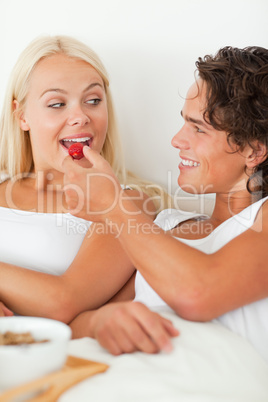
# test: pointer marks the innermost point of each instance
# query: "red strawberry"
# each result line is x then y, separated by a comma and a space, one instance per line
76, 150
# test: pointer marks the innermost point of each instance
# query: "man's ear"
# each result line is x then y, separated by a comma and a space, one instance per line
257, 155
20, 116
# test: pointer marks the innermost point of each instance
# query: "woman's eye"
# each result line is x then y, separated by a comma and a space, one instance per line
56, 105
95, 101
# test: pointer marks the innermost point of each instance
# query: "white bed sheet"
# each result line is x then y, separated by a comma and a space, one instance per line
208, 364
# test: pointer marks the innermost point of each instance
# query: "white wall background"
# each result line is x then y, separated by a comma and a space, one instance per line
149, 48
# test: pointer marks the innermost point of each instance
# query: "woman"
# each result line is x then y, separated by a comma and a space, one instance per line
217, 269
58, 95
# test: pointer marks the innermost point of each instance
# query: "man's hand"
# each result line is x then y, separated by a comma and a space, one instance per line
91, 193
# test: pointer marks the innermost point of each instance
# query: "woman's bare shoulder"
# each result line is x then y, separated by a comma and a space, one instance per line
3, 193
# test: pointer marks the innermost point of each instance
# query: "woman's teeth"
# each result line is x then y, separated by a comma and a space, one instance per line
84, 139
67, 142
187, 162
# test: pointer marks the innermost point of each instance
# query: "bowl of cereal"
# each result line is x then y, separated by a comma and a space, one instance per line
30, 347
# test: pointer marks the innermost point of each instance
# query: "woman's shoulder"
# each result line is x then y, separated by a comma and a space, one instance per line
4, 180
3, 177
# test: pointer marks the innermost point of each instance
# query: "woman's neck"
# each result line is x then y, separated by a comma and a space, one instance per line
38, 192
45, 180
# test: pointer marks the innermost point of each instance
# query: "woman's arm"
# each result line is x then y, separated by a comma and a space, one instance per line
81, 325
4, 311
196, 285
99, 271
126, 327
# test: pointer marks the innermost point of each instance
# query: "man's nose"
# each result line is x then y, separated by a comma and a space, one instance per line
180, 140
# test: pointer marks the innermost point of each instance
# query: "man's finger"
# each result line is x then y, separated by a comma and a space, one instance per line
96, 160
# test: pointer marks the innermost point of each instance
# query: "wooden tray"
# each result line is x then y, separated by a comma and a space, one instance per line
53, 385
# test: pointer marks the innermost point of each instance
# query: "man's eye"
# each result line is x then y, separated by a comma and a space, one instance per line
95, 101
56, 105
199, 130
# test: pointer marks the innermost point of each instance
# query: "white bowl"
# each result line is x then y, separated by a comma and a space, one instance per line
23, 363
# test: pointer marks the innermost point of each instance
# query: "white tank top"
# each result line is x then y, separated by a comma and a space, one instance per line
44, 242
250, 321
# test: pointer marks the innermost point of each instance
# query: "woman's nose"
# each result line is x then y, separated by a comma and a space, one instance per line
78, 117
180, 139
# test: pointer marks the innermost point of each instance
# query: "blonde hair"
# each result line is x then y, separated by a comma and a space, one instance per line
15, 148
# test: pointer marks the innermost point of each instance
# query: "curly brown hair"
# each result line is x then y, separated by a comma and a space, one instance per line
237, 100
